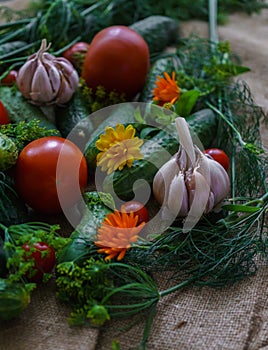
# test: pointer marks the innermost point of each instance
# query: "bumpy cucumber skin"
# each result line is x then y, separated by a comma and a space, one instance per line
163, 64
12, 209
73, 120
19, 109
69, 116
8, 152
158, 31
86, 230
14, 298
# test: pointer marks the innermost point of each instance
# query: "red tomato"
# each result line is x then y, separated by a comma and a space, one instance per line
76, 53
50, 174
10, 79
138, 209
4, 118
44, 260
219, 155
117, 59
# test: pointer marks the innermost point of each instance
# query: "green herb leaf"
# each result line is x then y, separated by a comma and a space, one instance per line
186, 103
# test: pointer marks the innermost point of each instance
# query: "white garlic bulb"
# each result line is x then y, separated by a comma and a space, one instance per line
191, 183
45, 79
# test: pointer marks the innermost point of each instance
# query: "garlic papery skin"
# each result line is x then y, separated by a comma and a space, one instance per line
191, 183
46, 80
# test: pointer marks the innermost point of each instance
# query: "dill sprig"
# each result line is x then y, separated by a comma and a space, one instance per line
24, 132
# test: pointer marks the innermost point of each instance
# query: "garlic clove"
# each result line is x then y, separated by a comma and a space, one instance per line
163, 179
65, 93
25, 76
220, 182
177, 199
54, 78
199, 203
41, 89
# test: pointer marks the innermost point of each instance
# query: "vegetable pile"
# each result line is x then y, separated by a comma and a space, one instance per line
143, 150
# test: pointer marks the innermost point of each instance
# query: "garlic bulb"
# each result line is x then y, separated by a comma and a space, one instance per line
191, 183
45, 79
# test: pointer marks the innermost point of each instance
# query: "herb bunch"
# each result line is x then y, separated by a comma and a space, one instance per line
222, 248
66, 22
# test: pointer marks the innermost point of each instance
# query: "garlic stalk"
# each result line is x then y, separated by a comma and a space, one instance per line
45, 79
191, 183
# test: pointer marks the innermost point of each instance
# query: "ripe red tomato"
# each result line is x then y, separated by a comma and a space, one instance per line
4, 118
50, 174
138, 209
10, 79
44, 260
76, 53
219, 155
117, 59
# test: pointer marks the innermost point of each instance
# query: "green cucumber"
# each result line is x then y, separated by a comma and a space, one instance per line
163, 64
12, 209
8, 152
73, 120
14, 298
203, 124
158, 31
99, 205
19, 109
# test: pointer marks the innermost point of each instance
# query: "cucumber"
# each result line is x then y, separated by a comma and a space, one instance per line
12, 209
72, 120
163, 64
99, 205
8, 152
158, 31
14, 298
203, 124
19, 109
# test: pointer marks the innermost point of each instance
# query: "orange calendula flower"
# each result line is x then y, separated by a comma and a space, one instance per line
119, 147
167, 90
116, 234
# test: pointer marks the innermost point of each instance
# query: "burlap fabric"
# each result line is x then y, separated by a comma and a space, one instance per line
233, 318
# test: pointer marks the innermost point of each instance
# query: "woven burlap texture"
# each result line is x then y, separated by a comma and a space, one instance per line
232, 318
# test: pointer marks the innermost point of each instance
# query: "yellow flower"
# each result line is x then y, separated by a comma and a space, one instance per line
116, 234
119, 147
167, 90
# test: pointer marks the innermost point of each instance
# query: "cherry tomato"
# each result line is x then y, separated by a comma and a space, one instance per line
50, 174
76, 53
117, 59
219, 155
138, 209
10, 79
4, 118
44, 260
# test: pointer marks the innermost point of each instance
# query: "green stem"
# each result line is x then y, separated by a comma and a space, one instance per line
238, 135
15, 23
11, 36
148, 326
213, 33
233, 166
176, 287
21, 49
